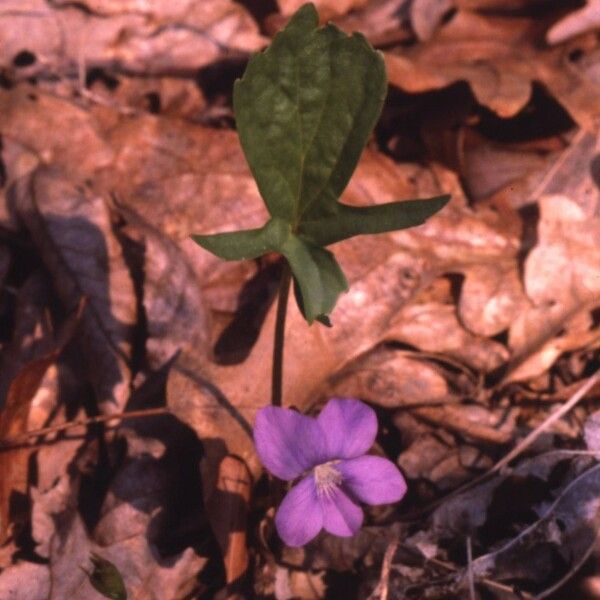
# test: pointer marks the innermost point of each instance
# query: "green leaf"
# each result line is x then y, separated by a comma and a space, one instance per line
304, 109
106, 579
349, 221
318, 277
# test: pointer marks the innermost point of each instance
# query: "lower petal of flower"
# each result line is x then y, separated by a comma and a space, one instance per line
300, 515
341, 516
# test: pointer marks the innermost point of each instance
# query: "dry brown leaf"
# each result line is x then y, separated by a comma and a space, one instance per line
488, 168
383, 22
146, 504
149, 38
541, 334
326, 8
499, 58
562, 279
390, 379
575, 23
171, 294
491, 298
183, 178
426, 16
434, 327
14, 420
564, 267
31, 398
442, 461
171, 96
72, 228
25, 580
228, 513
567, 532
472, 421
498, 5
55, 131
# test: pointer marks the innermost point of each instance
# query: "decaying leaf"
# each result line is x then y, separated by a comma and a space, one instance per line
72, 227
564, 536
326, 8
500, 60
154, 37
434, 327
228, 510
578, 22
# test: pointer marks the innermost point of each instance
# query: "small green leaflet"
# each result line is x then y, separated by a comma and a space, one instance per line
106, 579
304, 109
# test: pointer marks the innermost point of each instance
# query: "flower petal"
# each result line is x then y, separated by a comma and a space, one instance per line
300, 516
287, 442
372, 479
349, 426
341, 516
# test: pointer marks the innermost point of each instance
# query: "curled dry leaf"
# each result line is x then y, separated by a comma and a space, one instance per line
561, 279
15, 420
442, 462
563, 267
72, 228
575, 23
489, 167
434, 327
500, 60
32, 398
472, 421
491, 297
228, 513
390, 379
149, 38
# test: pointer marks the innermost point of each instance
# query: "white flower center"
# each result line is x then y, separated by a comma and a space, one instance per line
327, 478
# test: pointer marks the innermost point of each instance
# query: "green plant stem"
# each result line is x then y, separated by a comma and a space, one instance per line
282, 302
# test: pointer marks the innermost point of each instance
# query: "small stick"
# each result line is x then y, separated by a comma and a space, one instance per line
555, 416
470, 577
384, 580
19, 440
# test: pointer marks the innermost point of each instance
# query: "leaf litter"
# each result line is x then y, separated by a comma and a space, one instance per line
465, 333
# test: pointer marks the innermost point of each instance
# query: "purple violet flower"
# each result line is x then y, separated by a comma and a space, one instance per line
329, 452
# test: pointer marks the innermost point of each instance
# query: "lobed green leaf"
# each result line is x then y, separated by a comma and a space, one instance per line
304, 109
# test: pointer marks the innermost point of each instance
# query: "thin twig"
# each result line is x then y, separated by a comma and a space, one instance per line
386, 566
20, 440
470, 577
282, 302
544, 425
